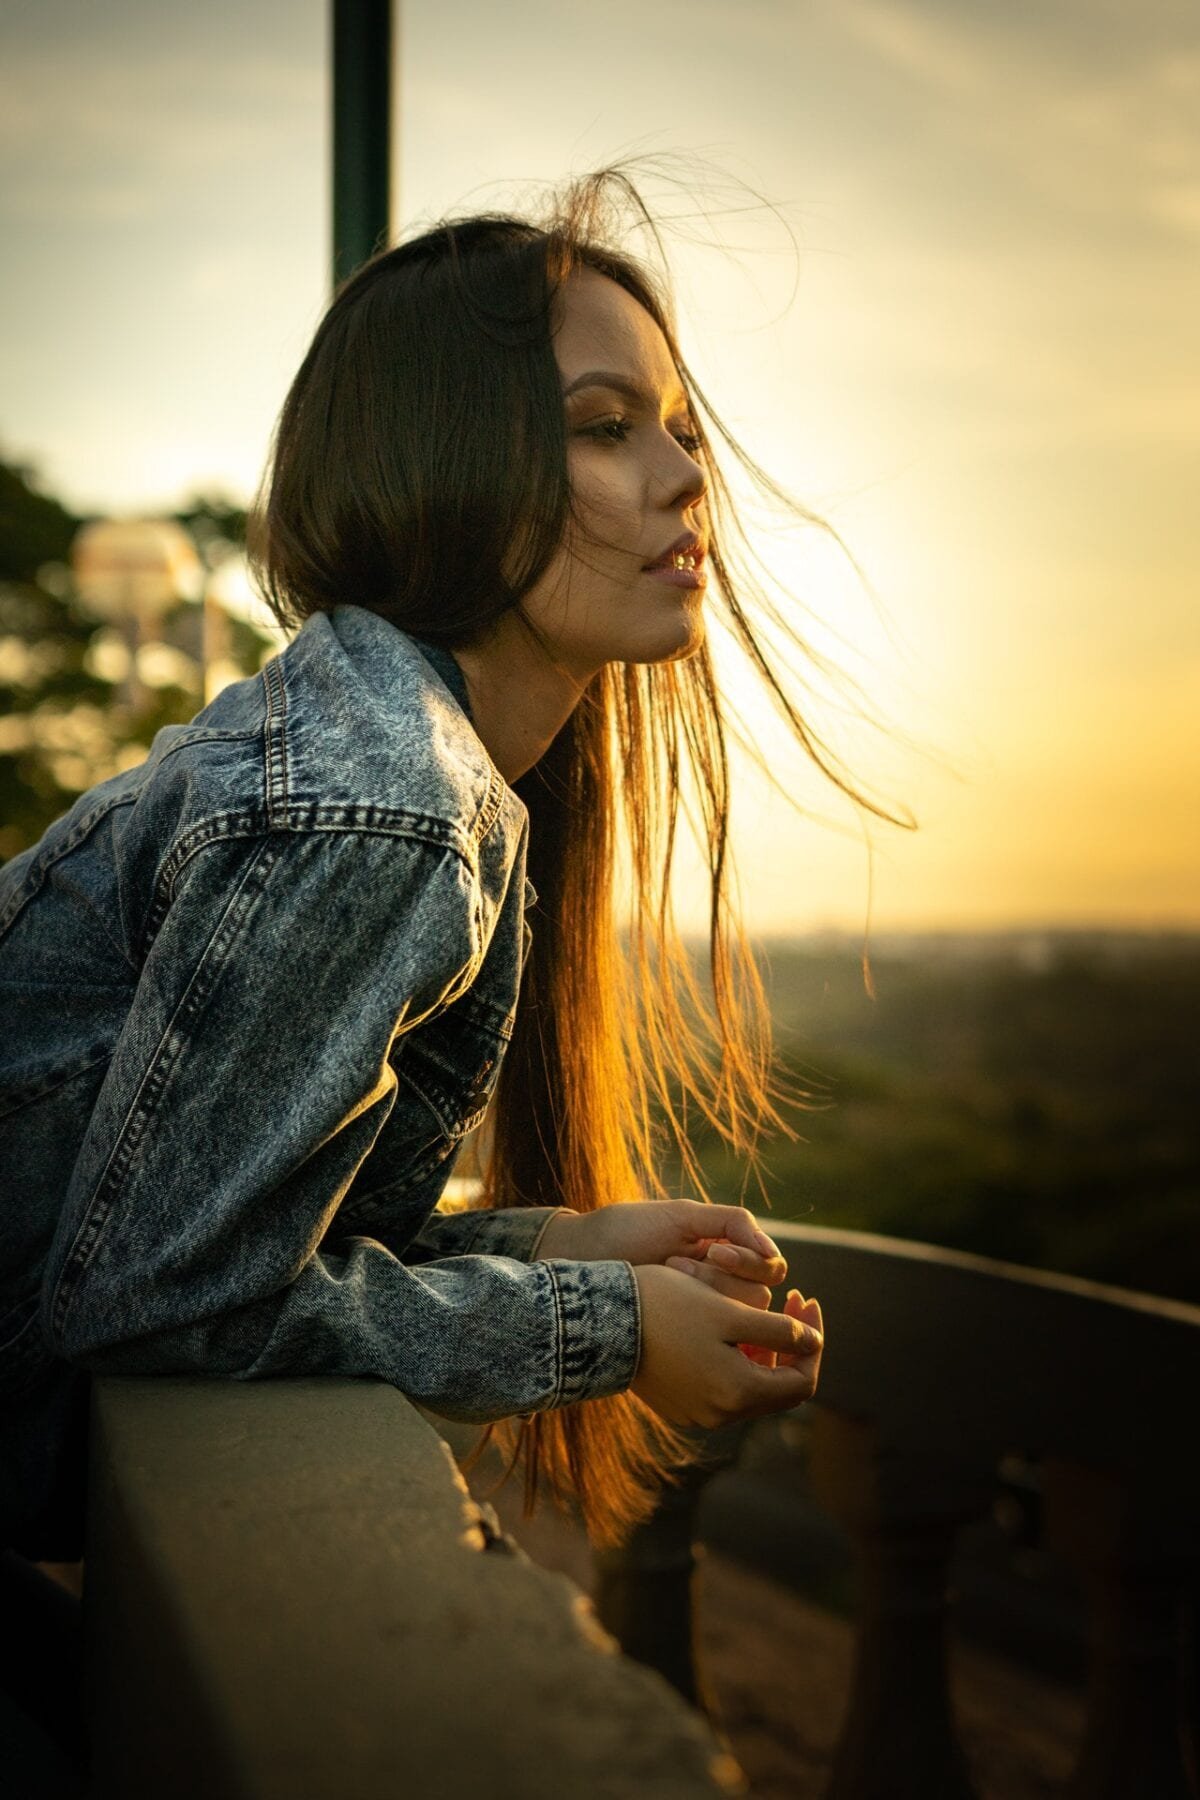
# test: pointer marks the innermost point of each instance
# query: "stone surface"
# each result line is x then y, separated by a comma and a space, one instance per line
290, 1593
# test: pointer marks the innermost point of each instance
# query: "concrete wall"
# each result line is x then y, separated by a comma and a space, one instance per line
290, 1593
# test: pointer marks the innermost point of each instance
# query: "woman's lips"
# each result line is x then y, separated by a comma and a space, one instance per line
682, 578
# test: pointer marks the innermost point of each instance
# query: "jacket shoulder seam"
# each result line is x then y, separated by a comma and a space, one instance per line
321, 819
275, 740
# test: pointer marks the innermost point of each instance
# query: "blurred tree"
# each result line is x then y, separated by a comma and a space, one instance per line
1041, 1111
51, 704
216, 524
63, 727
34, 529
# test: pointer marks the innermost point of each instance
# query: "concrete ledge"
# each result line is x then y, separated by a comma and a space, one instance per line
290, 1593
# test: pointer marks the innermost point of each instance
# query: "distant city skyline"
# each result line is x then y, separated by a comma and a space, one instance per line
987, 376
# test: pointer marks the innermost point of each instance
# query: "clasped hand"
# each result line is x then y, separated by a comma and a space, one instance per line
712, 1352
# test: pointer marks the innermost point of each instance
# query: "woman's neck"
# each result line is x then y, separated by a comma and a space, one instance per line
520, 699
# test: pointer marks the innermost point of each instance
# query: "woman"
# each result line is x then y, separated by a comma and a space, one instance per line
258, 990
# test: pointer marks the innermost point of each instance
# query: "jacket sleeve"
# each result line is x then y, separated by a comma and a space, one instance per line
502, 1231
249, 1082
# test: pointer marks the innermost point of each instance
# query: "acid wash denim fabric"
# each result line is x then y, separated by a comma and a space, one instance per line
253, 994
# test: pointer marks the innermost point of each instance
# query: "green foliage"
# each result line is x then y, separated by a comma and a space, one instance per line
64, 725
34, 529
216, 525
51, 711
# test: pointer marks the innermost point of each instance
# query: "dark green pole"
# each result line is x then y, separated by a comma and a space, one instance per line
362, 131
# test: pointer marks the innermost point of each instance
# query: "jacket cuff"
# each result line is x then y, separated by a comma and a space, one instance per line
600, 1328
514, 1231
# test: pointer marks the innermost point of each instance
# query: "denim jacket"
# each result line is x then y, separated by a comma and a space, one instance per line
253, 994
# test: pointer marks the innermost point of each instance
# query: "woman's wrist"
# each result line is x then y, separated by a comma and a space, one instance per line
559, 1237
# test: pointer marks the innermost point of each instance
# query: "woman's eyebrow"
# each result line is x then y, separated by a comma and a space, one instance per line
621, 384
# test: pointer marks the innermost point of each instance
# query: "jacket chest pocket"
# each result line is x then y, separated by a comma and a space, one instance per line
451, 1064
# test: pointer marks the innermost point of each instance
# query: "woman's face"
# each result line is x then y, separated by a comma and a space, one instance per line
639, 492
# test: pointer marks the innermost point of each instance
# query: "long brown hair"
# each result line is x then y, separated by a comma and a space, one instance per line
420, 470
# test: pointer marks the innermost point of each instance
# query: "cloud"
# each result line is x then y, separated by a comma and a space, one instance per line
113, 135
915, 43
1067, 116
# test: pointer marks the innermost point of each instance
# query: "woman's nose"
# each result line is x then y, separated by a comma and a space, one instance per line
685, 475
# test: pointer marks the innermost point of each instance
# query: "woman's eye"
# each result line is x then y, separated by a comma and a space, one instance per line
613, 431
616, 431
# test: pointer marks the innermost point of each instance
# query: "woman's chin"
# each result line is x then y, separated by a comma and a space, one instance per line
673, 642
691, 639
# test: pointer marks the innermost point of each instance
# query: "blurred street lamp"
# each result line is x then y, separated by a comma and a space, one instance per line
130, 573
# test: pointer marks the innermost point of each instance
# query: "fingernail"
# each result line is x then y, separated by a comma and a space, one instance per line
811, 1310
810, 1342
684, 1264
724, 1255
765, 1245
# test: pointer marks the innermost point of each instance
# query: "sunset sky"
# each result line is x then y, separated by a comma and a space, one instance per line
968, 337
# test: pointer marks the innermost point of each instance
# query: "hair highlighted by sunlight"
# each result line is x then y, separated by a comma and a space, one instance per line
420, 470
